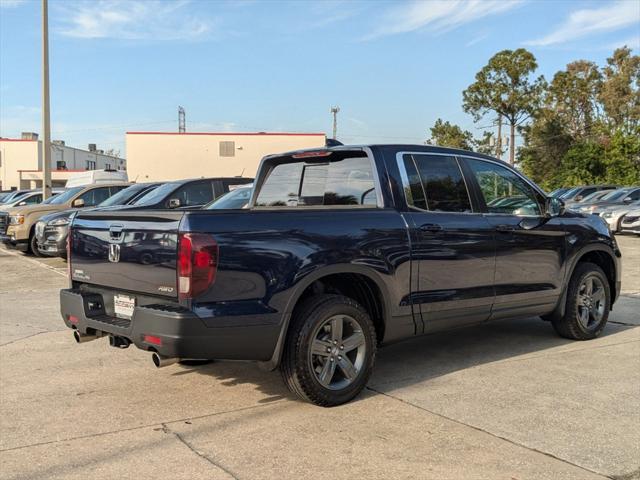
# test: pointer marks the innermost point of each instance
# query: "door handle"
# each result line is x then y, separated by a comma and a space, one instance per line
505, 228
431, 227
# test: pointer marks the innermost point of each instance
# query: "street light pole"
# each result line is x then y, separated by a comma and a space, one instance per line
46, 124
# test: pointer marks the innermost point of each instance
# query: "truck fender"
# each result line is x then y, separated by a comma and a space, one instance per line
302, 285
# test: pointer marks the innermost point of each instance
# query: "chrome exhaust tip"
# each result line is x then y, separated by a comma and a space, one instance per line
161, 361
83, 337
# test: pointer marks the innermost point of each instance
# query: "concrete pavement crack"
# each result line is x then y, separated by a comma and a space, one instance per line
512, 442
130, 429
204, 456
28, 336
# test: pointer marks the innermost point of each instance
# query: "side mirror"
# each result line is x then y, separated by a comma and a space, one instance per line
77, 203
578, 198
628, 200
22, 204
174, 202
554, 207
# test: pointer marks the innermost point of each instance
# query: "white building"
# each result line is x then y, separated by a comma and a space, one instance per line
21, 162
161, 156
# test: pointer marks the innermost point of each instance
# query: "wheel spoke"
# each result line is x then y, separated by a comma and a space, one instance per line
336, 329
598, 295
588, 286
328, 370
347, 368
584, 316
353, 341
321, 347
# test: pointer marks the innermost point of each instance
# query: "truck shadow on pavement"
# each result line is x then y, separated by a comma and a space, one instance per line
423, 358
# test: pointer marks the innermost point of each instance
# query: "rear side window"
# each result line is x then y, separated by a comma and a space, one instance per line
346, 181
436, 184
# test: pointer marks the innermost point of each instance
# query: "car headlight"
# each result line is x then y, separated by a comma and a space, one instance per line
16, 219
58, 222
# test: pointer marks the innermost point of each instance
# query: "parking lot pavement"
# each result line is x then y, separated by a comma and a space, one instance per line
505, 400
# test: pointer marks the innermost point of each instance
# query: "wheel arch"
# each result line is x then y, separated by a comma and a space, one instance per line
600, 255
354, 281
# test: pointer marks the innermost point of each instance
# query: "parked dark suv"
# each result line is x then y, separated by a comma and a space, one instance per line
340, 251
187, 194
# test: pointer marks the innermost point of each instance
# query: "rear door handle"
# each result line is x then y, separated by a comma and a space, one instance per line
505, 228
431, 227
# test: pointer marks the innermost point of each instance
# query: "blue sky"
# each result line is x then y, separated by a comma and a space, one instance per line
392, 67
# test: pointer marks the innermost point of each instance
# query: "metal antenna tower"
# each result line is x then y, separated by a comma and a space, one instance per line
182, 120
334, 112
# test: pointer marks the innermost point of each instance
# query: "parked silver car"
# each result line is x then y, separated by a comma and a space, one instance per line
631, 222
613, 215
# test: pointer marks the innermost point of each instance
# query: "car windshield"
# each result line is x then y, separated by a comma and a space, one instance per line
595, 196
157, 194
64, 197
237, 198
123, 196
615, 195
570, 193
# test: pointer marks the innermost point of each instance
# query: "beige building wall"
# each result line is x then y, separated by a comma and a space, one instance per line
157, 156
21, 163
16, 155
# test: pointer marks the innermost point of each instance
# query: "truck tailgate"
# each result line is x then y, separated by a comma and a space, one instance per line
131, 251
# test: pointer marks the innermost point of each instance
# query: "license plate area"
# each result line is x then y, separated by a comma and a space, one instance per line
123, 306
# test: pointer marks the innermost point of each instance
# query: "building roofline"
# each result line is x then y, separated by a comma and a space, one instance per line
266, 134
2, 139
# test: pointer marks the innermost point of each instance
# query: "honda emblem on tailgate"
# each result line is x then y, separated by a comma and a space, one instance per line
114, 252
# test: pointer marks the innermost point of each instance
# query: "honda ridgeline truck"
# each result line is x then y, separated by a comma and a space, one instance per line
341, 250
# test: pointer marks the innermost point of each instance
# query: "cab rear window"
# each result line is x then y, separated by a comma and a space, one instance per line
338, 181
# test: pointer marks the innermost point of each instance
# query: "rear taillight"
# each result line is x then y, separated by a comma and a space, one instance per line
197, 264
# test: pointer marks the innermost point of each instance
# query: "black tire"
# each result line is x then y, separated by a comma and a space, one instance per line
297, 366
33, 246
570, 325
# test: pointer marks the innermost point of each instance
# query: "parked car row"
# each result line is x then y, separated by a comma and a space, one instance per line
41, 228
614, 204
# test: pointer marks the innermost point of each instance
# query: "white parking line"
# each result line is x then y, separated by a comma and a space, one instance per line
44, 265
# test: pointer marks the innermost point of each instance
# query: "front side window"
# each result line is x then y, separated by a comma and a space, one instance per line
504, 191
436, 184
346, 181
34, 199
194, 194
95, 196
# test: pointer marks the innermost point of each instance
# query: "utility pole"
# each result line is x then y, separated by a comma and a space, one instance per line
334, 112
182, 120
499, 142
46, 120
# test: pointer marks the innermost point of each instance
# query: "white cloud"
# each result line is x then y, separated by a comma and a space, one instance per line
477, 39
613, 16
438, 16
133, 20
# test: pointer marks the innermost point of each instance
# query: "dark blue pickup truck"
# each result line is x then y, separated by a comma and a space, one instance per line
341, 250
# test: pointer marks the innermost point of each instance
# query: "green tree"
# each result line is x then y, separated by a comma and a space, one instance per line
546, 142
622, 159
445, 134
572, 97
620, 93
505, 86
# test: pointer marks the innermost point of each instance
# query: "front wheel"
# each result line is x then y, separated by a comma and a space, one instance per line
330, 350
33, 246
588, 304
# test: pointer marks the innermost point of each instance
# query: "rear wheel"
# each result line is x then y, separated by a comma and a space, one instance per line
330, 350
588, 304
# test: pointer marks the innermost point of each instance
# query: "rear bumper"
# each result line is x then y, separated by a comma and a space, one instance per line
182, 334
